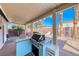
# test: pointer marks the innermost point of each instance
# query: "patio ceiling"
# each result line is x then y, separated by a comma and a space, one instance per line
20, 13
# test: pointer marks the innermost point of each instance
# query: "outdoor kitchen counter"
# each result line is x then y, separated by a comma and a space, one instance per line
48, 46
23, 46
22, 39
52, 48
46, 41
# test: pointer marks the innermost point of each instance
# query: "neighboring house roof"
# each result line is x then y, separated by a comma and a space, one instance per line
68, 23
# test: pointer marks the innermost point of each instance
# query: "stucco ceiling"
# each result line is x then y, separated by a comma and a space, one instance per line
21, 13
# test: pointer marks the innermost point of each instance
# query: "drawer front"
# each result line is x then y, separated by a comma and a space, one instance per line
50, 52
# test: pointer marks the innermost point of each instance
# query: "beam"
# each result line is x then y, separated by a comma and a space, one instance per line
58, 8
3, 15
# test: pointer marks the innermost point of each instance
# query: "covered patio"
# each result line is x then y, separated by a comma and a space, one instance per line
24, 14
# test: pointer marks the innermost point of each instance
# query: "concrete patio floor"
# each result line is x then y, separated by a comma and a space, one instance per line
69, 48
9, 48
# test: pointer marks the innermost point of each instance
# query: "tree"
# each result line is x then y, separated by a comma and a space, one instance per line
17, 30
38, 24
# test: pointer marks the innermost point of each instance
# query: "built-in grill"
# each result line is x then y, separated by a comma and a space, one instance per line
38, 37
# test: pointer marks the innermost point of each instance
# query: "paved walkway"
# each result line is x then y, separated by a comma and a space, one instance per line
9, 48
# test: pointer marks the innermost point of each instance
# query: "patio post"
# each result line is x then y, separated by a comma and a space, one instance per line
54, 26
61, 24
75, 22
31, 27
25, 29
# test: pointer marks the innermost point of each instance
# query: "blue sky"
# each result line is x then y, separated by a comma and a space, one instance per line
68, 14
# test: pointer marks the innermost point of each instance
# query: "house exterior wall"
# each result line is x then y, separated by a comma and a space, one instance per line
3, 31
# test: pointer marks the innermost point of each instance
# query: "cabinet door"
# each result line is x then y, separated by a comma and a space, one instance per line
23, 47
40, 50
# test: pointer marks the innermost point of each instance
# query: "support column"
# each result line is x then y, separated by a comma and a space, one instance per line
25, 29
75, 35
61, 25
55, 45
31, 26
5, 30
54, 27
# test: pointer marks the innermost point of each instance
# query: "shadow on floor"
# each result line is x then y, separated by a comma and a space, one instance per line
66, 51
